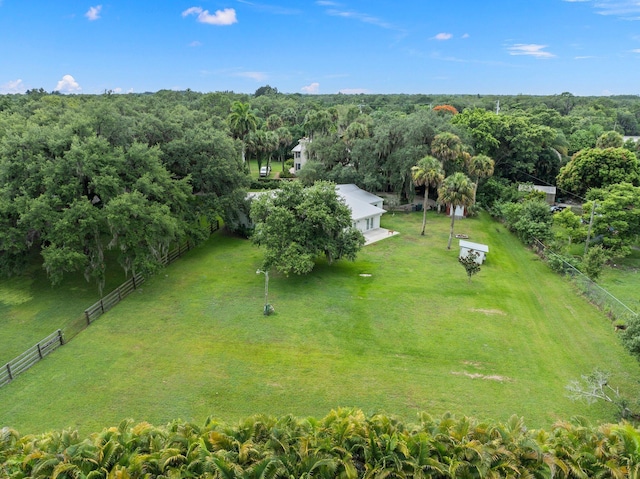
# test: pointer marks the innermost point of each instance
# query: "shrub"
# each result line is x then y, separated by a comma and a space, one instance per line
562, 264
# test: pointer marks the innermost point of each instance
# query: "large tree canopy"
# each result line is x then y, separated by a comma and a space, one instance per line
296, 225
82, 175
599, 168
617, 216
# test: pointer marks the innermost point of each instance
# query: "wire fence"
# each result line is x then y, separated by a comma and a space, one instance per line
36, 353
603, 299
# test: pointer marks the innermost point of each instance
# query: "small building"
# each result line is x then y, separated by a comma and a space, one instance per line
480, 249
366, 208
300, 154
459, 211
549, 191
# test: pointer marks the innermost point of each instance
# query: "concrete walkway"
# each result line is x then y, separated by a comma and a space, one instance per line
378, 234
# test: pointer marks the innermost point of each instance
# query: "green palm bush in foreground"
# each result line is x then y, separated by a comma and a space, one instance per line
345, 444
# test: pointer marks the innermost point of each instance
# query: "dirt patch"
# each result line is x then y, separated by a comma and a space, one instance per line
490, 377
475, 364
489, 311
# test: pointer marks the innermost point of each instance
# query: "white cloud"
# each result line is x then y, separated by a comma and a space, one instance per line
466, 35
195, 43
443, 36
257, 76
627, 9
93, 13
635, 50
313, 88
68, 84
221, 17
530, 49
13, 86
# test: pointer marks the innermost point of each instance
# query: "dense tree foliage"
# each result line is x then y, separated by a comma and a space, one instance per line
616, 221
345, 444
296, 225
176, 158
80, 175
599, 168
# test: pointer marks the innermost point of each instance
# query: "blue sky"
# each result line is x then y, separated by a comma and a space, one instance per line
586, 47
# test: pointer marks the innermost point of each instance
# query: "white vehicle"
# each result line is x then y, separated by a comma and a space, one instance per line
265, 170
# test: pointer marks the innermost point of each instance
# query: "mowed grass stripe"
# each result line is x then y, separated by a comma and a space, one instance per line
414, 335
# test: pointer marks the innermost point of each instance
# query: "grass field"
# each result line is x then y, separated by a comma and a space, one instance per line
414, 335
31, 309
623, 280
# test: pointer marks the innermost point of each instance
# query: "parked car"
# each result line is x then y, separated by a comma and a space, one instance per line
265, 170
557, 208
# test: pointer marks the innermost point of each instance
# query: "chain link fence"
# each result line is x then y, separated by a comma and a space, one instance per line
615, 309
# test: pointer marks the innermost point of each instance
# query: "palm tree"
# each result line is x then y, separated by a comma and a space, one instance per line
242, 121
318, 122
284, 140
456, 190
480, 166
447, 147
427, 172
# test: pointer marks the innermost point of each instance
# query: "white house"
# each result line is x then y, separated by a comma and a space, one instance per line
480, 249
366, 208
300, 155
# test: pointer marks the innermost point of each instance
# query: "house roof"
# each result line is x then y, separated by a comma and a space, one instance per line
358, 193
474, 246
359, 201
298, 147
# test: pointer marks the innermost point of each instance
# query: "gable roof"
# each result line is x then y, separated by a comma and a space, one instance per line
358, 193
359, 201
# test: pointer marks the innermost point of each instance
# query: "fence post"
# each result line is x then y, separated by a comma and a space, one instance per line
133, 278
102, 306
61, 337
9, 371
86, 314
39, 350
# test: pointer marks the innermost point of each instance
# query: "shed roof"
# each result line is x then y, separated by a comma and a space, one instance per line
545, 189
474, 246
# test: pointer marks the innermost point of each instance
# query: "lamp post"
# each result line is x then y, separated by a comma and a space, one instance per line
267, 306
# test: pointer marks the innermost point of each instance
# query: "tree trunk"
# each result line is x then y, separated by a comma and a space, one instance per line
424, 209
452, 209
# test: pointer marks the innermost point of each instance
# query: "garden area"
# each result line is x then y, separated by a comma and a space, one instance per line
399, 330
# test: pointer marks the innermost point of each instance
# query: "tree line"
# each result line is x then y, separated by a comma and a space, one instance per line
85, 174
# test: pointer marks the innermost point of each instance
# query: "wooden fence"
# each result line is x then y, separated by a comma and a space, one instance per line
31, 356
93, 312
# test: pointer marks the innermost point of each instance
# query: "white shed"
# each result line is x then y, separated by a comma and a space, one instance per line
481, 249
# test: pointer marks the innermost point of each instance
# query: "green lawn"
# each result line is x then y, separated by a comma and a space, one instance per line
414, 335
623, 280
31, 309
